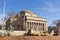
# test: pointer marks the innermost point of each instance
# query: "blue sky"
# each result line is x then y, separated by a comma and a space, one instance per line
49, 9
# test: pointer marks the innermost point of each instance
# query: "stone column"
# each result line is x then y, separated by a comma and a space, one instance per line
41, 29
40, 26
29, 26
44, 27
26, 26
37, 26
33, 25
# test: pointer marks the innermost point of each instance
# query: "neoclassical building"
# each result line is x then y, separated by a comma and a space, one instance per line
26, 20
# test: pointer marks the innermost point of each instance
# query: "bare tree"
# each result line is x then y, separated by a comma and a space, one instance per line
11, 14
5, 18
56, 22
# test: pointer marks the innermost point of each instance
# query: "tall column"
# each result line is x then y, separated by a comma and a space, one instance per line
37, 26
44, 27
41, 27
33, 25
29, 26
26, 26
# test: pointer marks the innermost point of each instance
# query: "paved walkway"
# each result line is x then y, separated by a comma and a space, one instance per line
31, 38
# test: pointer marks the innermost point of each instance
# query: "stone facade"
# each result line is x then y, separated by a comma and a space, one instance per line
58, 27
26, 20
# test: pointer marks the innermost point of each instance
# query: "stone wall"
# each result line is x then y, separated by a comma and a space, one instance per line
17, 33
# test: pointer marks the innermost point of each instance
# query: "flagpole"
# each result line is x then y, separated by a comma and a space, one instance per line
3, 13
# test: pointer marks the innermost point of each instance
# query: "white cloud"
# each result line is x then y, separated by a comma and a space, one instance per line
50, 7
